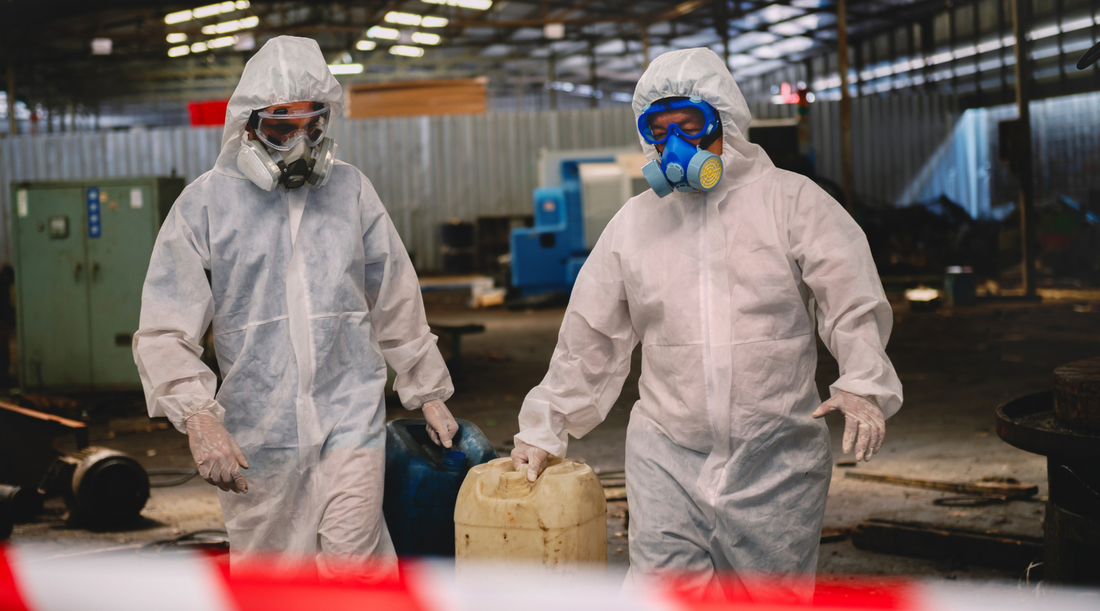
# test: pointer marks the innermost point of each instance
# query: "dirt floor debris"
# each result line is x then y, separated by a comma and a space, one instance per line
920, 540
1004, 487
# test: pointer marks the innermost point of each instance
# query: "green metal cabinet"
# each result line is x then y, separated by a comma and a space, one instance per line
81, 252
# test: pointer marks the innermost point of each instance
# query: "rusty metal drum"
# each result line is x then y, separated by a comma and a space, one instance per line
1077, 394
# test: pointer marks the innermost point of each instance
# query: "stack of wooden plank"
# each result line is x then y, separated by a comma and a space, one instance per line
412, 98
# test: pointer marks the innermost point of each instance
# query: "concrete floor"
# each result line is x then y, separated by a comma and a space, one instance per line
957, 366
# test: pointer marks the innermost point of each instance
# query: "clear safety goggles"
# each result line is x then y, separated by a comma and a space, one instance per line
281, 129
690, 118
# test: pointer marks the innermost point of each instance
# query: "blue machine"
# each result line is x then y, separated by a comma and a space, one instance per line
422, 482
548, 256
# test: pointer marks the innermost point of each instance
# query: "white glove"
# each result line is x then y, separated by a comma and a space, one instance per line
217, 455
441, 424
864, 424
534, 457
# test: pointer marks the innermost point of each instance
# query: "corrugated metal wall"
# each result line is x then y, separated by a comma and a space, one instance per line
958, 167
427, 170
1066, 140
431, 169
958, 155
893, 139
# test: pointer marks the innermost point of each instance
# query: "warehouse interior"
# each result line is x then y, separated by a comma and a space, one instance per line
501, 139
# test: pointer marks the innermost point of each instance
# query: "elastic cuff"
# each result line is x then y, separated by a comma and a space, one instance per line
439, 395
208, 407
542, 439
864, 390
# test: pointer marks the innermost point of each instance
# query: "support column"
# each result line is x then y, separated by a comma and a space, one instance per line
847, 175
1021, 18
12, 126
952, 43
553, 75
645, 45
928, 49
1002, 71
860, 64
722, 21
593, 82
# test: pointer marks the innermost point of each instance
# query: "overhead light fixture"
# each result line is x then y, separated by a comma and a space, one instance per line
345, 68
176, 37
199, 47
478, 5
434, 22
231, 26
101, 46
366, 45
206, 11
425, 38
407, 51
179, 51
224, 41
177, 17
213, 9
402, 18
381, 32
554, 31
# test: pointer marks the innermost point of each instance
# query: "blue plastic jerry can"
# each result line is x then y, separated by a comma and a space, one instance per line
422, 482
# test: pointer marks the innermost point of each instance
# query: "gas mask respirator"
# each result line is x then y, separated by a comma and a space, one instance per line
683, 166
289, 149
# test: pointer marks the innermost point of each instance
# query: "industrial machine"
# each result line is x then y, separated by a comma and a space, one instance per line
102, 488
81, 253
580, 191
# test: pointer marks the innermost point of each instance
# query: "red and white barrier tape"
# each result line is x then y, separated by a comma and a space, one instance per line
190, 581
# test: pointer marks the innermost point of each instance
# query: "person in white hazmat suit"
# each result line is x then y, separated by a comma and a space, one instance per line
727, 463
310, 292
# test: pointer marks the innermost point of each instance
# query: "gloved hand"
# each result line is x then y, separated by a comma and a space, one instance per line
864, 424
217, 455
534, 457
441, 424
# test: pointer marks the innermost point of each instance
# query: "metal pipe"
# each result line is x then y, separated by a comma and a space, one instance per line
1021, 17
847, 175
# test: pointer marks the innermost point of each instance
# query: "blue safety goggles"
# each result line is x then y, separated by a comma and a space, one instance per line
694, 118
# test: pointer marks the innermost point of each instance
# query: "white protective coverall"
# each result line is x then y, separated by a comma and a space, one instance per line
726, 469
308, 291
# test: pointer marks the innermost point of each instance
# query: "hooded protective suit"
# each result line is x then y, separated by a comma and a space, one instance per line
308, 290
726, 468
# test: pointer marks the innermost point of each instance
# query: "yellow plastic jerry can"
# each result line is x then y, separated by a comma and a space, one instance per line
559, 521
